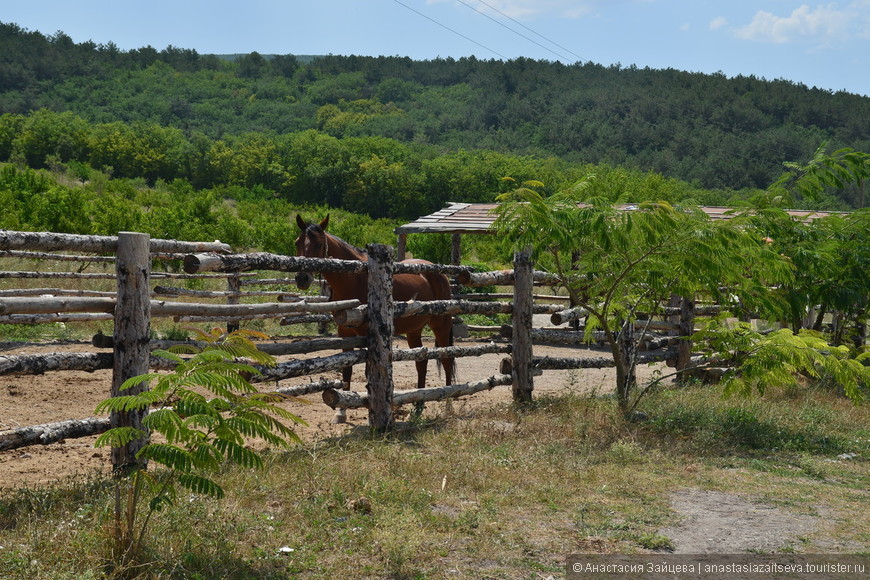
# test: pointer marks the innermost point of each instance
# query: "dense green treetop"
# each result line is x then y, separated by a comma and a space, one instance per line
709, 130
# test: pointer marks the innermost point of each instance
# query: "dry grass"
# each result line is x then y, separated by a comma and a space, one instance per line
498, 493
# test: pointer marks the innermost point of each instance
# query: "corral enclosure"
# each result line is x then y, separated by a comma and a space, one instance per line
50, 382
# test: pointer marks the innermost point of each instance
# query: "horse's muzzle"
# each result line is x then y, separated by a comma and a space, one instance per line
304, 280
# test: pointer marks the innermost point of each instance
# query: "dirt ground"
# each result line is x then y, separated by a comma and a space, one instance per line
59, 396
711, 522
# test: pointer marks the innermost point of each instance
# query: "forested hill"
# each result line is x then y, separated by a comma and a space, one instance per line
709, 130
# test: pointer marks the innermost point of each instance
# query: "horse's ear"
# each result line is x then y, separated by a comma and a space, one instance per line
301, 222
324, 223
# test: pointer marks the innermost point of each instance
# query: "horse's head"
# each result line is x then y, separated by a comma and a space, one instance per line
311, 243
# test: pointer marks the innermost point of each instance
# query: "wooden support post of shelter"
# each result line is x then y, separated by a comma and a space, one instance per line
131, 337
379, 364
522, 322
455, 248
402, 247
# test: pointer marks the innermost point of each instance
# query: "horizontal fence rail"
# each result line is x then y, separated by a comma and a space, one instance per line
216, 260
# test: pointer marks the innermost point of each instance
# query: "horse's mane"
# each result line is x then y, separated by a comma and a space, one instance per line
347, 244
316, 229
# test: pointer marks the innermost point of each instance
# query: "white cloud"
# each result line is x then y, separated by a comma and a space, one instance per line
824, 23
718, 22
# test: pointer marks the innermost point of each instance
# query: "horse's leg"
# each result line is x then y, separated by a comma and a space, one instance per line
442, 327
415, 340
346, 374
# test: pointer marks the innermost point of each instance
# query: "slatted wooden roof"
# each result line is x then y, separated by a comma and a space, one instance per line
477, 218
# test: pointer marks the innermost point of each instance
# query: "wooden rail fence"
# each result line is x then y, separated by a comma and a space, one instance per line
133, 305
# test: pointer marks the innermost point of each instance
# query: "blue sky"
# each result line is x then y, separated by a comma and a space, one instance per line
825, 45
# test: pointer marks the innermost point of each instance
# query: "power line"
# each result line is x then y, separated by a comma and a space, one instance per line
502, 24
491, 7
450, 29
653, 99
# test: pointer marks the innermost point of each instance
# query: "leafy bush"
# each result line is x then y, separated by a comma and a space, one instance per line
200, 433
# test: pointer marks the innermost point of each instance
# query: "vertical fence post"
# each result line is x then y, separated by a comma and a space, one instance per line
379, 363
522, 327
234, 286
131, 336
687, 328
628, 351
674, 301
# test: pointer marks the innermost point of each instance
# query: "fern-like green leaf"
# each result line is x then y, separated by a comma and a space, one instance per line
171, 456
239, 454
119, 437
201, 485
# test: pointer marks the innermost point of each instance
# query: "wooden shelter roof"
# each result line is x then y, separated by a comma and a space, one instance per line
467, 218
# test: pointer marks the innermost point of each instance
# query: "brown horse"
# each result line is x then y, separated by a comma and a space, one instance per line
315, 242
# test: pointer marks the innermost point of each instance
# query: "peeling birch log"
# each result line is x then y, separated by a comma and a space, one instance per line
556, 335
507, 296
568, 315
55, 292
50, 318
265, 261
502, 278
173, 291
315, 387
426, 353
312, 345
178, 276
105, 276
302, 367
67, 275
34, 305
482, 328
54, 257
656, 325
37, 364
255, 281
657, 342
310, 298
164, 308
196, 263
566, 363
420, 268
705, 310
52, 432
49, 241
28, 305
274, 348
306, 319
339, 399
222, 319
358, 316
